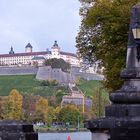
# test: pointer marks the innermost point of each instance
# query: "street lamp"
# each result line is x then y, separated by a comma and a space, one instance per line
136, 32
136, 35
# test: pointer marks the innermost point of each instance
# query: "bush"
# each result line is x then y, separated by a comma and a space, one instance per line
44, 83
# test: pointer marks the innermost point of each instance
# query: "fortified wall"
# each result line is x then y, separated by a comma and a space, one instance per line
47, 73
18, 70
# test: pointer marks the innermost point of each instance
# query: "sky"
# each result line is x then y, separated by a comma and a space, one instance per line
39, 22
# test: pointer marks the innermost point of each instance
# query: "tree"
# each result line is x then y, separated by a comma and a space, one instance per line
41, 112
13, 106
69, 114
108, 23
57, 112
99, 101
44, 83
57, 63
84, 37
29, 106
59, 96
2, 109
51, 115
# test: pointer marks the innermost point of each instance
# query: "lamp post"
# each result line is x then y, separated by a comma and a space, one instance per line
136, 35
78, 124
122, 117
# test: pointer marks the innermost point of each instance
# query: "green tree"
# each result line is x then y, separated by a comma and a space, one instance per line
84, 37
107, 22
13, 106
99, 101
59, 96
57, 63
69, 114
44, 83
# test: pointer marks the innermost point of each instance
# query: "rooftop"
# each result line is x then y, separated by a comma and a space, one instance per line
12, 54
38, 58
28, 46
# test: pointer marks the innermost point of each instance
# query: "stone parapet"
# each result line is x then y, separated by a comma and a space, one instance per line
17, 130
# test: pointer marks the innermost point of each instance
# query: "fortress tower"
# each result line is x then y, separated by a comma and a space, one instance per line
28, 48
55, 50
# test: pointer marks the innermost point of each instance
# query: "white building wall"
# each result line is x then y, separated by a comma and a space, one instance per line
28, 50
27, 59
55, 53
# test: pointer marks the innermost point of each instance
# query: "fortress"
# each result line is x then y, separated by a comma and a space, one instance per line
25, 63
29, 57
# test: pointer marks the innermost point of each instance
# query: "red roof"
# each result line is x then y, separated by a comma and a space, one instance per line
23, 54
66, 53
35, 53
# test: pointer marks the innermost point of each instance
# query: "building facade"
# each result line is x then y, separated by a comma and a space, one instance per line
29, 57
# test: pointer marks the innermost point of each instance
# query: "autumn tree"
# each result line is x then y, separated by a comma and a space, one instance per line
2, 103
41, 111
13, 106
57, 112
103, 35
29, 106
51, 115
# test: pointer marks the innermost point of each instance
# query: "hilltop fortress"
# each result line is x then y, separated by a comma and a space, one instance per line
25, 63
29, 57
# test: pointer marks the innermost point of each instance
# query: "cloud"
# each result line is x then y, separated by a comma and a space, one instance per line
39, 22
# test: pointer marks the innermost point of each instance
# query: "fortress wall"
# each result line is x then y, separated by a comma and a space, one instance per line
47, 73
18, 70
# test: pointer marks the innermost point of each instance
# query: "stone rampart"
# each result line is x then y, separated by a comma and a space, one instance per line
47, 73
18, 70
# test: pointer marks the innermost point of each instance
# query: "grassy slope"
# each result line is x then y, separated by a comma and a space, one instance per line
25, 84
20, 82
91, 87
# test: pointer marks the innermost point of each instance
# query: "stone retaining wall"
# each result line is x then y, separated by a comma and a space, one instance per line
18, 70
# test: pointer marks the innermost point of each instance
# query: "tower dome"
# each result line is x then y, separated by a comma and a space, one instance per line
28, 48
55, 45
11, 51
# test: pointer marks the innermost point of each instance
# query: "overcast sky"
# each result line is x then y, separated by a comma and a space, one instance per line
39, 22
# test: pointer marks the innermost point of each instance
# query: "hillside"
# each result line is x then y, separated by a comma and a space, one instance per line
25, 84
89, 88
28, 83
21, 82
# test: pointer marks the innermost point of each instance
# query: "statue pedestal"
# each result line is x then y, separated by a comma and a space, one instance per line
16, 130
118, 123
122, 117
